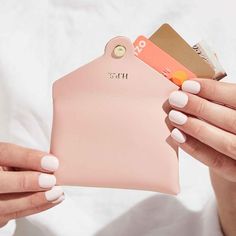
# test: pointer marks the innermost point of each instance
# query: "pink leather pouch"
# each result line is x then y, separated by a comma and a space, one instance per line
109, 124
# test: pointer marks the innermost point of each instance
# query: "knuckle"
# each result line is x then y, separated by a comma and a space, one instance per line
198, 130
23, 182
201, 107
211, 86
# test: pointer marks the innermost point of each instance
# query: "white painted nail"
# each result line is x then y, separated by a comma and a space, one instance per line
59, 200
46, 180
178, 99
191, 86
49, 162
54, 194
178, 136
178, 117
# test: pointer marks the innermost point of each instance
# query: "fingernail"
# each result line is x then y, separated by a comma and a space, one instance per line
54, 194
191, 86
49, 162
59, 200
178, 136
178, 99
177, 117
46, 180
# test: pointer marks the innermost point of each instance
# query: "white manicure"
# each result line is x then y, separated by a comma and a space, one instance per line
49, 162
178, 136
54, 194
191, 86
46, 180
60, 199
178, 99
178, 117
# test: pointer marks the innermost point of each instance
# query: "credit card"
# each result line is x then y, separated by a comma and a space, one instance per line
204, 51
158, 59
173, 44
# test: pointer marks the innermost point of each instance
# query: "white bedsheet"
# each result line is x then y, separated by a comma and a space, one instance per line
41, 41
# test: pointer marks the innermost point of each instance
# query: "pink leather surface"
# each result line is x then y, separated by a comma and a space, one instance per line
112, 132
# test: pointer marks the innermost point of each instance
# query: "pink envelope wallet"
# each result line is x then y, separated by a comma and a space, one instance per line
109, 124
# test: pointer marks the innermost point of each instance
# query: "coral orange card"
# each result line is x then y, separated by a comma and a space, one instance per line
161, 61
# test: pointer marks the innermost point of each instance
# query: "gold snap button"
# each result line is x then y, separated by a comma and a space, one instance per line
119, 51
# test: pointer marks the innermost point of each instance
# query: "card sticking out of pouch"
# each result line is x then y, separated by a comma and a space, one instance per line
172, 43
161, 61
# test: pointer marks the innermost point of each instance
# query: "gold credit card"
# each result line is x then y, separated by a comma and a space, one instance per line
172, 43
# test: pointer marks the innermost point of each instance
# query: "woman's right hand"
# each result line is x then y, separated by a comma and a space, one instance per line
27, 185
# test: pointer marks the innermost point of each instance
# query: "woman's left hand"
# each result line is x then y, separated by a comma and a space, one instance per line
204, 117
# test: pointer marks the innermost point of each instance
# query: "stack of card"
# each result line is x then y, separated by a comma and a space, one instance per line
169, 54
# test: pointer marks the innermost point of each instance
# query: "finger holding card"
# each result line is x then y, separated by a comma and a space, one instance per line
215, 114
206, 121
219, 92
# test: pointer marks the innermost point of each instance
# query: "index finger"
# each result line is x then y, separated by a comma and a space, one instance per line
219, 92
12, 155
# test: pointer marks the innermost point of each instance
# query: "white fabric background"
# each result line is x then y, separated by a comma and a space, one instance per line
41, 41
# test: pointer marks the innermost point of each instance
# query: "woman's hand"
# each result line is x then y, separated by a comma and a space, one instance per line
205, 119
26, 182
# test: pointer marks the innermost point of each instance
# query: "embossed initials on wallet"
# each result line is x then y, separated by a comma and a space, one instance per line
109, 124
117, 75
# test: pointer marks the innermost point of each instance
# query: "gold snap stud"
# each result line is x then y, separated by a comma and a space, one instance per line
119, 51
